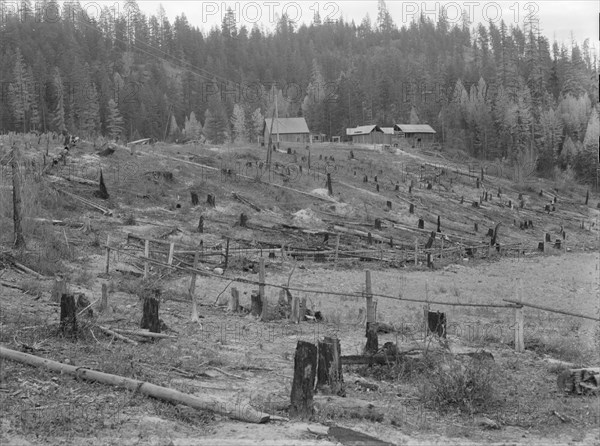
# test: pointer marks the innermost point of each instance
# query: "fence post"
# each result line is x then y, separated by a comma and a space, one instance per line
193, 288
147, 255
107, 253
416, 251
371, 316
337, 247
171, 252
519, 322
442, 249
261, 290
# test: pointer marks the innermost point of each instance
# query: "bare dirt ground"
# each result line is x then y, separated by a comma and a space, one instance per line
63, 410
242, 362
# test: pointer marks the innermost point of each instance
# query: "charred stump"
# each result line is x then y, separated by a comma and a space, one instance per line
150, 319
429, 243
389, 205
305, 368
68, 315
377, 223
421, 223
256, 303
329, 186
102, 192
210, 200
201, 225
329, 371
439, 224
243, 220
411, 209
372, 345
194, 198
437, 323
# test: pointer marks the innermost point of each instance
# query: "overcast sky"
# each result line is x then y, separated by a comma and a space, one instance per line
558, 19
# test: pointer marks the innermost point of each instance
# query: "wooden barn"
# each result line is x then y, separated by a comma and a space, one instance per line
289, 130
417, 135
388, 134
366, 134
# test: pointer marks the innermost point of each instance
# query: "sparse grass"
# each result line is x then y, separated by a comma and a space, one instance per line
464, 384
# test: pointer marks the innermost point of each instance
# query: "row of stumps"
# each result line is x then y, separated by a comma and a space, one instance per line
319, 364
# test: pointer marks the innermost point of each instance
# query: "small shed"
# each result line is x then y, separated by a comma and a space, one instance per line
366, 134
418, 134
289, 130
388, 134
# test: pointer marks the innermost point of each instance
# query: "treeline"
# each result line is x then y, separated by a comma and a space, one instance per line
493, 91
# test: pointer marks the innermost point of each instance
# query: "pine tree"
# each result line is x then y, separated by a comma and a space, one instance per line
193, 128
592, 133
58, 110
90, 115
414, 117
114, 120
216, 125
256, 125
238, 122
20, 92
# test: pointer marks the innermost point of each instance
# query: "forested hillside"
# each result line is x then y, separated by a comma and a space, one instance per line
491, 90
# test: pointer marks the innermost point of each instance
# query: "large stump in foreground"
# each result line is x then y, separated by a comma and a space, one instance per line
68, 315
330, 366
151, 304
305, 368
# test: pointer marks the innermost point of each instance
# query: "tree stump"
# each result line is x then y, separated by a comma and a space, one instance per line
411, 209
476, 227
256, 303
429, 243
329, 186
201, 225
439, 225
150, 319
194, 198
369, 238
477, 182
475, 204
429, 261
377, 187
397, 188
104, 301
377, 223
410, 189
587, 197
437, 323
68, 315
372, 345
102, 192
243, 220
365, 179
234, 300
375, 179
210, 200
389, 205
421, 223
305, 368
59, 288
329, 371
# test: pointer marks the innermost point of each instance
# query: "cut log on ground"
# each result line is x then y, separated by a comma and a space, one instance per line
248, 414
335, 407
380, 358
117, 335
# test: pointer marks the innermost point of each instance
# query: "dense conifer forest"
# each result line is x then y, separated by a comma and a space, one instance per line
491, 90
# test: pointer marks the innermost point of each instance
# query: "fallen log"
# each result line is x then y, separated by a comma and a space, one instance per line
143, 333
245, 201
379, 358
117, 335
237, 412
90, 203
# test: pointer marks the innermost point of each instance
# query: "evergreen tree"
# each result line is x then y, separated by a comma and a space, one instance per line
58, 111
193, 128
20, 91
114, 120
256, 126
238, 122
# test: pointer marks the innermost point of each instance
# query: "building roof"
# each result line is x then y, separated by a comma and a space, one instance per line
415, 128
363, 130
287, 125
